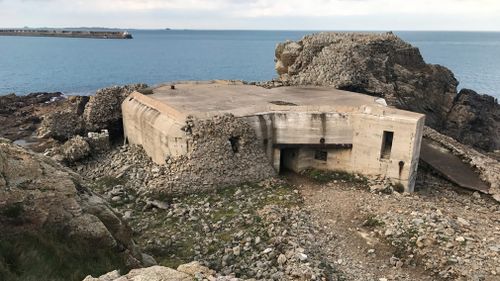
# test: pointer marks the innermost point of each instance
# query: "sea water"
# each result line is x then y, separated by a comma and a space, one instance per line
80, 66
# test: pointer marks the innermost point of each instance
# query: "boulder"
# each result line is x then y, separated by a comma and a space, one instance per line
75, 149
385, 66
61, 125
185, 272
48, 211
153, 273
195, 268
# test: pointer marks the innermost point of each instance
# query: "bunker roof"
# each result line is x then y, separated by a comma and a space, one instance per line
209, 98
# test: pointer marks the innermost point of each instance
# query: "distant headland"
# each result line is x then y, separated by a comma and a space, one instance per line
98, 34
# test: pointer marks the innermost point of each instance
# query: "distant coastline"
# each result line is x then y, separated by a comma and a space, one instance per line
66, 33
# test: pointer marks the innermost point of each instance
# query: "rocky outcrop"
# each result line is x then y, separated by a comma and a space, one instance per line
61, 125
474, 119
377, 64
383, 65
20, 115
185, 272
103, 111
45, 209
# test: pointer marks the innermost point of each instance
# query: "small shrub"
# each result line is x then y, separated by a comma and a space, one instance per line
404, 243
13, 211
398, 187
372, 221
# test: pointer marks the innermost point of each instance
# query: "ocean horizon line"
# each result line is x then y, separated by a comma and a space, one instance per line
244, 29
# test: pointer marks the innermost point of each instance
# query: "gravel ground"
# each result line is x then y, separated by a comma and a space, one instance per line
254, 230
316, 226
437, 233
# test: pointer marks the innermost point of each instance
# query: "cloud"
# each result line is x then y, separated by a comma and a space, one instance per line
338, 14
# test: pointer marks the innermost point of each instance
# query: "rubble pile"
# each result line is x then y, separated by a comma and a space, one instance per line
78, 115
455, 237
251, 230
211, 163
103, 111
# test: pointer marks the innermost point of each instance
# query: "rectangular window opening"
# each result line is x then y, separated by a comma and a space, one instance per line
387, 138
321, 155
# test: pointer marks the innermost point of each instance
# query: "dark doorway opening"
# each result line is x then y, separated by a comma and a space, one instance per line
288, 160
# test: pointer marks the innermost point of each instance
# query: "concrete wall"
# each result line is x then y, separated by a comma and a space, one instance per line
158, 133
363, 130
360, 131
304, 127
367, 145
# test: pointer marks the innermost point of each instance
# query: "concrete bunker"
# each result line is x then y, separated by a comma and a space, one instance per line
295, 128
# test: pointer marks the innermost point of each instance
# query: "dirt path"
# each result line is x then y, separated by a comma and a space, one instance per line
350, 243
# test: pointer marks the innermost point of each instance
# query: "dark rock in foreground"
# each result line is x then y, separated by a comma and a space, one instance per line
20, 115
48, 215
384, 65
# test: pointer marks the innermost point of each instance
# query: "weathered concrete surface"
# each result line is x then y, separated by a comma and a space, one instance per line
305, 118
451, 166
486, 167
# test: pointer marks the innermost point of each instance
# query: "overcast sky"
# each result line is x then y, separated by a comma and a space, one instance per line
256, 14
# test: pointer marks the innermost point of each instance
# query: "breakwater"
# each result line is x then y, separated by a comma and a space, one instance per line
66, 33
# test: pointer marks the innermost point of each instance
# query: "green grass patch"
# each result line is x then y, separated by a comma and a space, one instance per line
325, 176
372, 221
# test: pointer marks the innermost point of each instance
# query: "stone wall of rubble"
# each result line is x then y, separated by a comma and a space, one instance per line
224, 151
213, 161
79, 115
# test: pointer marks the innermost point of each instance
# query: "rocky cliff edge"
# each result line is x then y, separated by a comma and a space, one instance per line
383, 65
